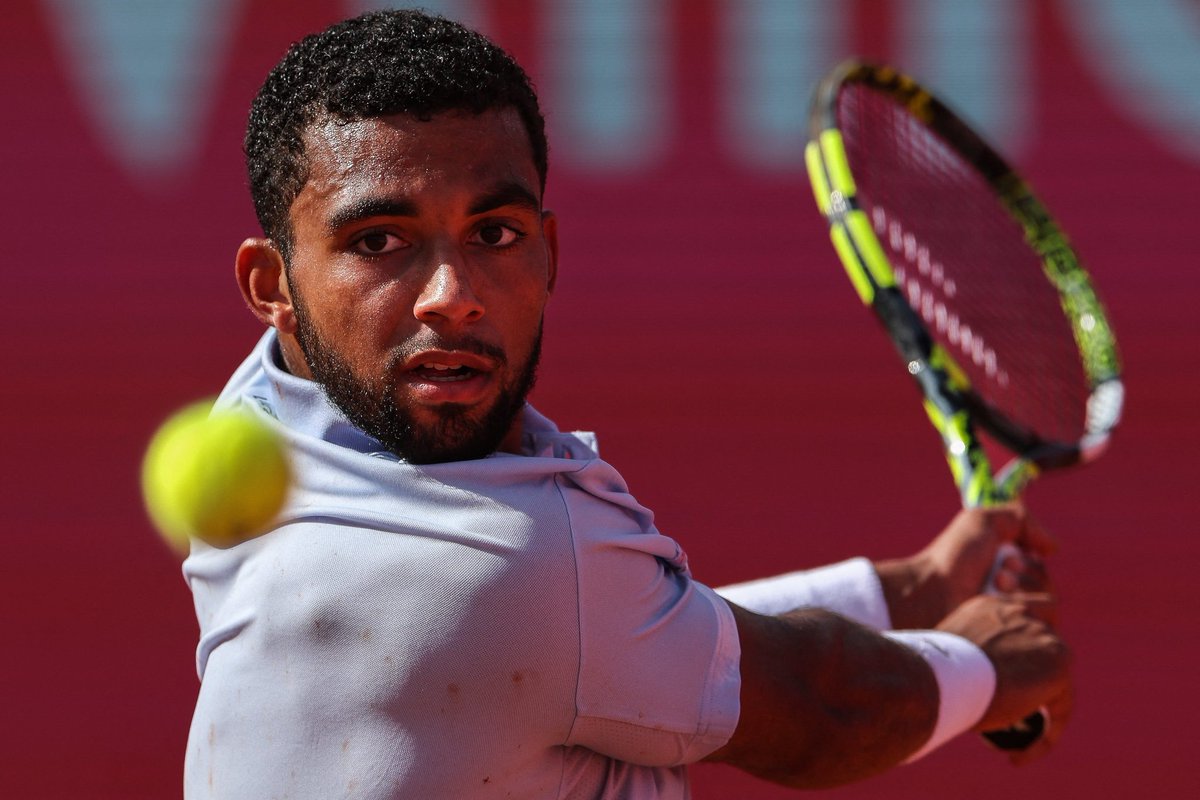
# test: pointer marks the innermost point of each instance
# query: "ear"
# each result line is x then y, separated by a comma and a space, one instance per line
261, 277
550, 234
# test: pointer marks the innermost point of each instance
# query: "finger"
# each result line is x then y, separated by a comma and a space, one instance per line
1037, 605
1015, 563
1012, 522
1007, 521
1030, 575
1006, 581
1033, 538
1023, 572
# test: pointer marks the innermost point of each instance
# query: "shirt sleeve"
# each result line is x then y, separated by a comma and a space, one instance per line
658, 662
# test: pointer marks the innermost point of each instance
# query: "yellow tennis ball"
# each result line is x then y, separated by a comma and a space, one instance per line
220, 478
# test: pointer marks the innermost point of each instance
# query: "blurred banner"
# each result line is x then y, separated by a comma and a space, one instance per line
702, 326
148, 73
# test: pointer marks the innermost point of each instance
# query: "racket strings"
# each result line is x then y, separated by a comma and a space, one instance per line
964, 266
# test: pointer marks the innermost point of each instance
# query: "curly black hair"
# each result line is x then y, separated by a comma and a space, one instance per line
380, 63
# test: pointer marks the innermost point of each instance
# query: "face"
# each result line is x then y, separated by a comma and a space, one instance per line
421, 267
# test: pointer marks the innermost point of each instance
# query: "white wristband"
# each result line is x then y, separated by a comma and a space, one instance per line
966, 682
850, 588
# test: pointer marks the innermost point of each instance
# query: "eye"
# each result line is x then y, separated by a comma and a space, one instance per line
377, 243
496, 235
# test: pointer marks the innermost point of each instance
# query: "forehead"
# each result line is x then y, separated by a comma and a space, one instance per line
401, 154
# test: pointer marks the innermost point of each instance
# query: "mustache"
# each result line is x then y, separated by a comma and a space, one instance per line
430, 340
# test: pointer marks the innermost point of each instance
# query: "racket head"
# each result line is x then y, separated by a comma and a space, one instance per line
975, 283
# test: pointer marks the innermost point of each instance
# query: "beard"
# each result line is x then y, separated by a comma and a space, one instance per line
458, 433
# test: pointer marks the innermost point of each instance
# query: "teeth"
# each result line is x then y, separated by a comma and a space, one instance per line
440, 367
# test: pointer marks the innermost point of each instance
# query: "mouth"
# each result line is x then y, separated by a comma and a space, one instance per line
444, 373
448, 377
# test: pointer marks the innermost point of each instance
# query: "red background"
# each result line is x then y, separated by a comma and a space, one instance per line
702, 326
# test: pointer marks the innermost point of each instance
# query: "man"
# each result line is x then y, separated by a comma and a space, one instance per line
459, 600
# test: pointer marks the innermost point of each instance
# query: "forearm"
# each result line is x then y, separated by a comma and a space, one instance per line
825, 700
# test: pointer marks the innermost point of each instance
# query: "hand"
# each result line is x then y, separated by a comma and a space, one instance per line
1032, 663
923, 589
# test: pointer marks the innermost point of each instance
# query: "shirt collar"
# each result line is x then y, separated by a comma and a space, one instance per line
302, 405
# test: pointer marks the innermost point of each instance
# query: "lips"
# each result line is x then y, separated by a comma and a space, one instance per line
434, 371
438, 377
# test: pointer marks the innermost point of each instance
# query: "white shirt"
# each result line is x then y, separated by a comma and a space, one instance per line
513, 626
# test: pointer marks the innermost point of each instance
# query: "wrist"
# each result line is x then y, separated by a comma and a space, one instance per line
913, 591
965, 677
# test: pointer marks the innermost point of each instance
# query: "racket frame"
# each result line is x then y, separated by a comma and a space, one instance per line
953, 407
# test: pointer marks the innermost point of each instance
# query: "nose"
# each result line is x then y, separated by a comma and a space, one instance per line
447, 297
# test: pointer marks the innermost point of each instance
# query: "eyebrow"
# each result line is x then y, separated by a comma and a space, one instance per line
508, 193
370, 207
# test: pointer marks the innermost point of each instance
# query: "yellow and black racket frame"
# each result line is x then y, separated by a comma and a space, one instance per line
950, 402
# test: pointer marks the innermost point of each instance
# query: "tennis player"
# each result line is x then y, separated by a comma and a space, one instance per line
461, 600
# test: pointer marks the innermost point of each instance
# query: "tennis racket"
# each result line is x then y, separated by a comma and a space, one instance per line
974, 282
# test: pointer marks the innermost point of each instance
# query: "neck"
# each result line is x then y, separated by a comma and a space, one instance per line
511, 443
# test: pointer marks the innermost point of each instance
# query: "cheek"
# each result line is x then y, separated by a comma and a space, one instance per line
359, 330
519, 301
525, 322
367, 309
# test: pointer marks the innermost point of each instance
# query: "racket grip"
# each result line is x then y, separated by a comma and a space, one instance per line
1003, 553
1021, 735
1030, 729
